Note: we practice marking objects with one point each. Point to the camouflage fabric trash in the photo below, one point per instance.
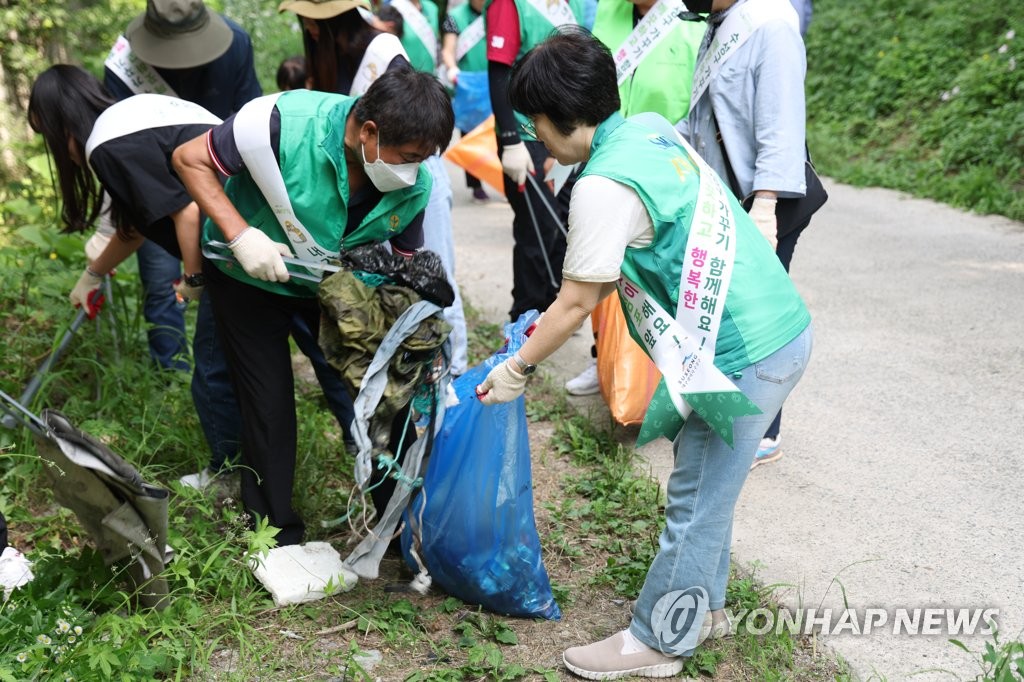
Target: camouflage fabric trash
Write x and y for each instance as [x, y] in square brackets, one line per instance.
[125, 516]
[356, 318]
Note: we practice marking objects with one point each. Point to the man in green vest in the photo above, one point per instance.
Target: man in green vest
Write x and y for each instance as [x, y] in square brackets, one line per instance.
[655, 53]
[704, 296]
[513, 27]
[350, 174]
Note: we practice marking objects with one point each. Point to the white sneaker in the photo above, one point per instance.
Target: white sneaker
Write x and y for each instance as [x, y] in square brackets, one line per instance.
[199, 481]
[585, 383]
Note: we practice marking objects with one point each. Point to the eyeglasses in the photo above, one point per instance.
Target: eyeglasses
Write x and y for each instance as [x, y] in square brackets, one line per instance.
[529, 128]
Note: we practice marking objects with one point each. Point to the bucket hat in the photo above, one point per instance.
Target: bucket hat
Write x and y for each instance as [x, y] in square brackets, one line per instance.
[321, 9]
[178, 34]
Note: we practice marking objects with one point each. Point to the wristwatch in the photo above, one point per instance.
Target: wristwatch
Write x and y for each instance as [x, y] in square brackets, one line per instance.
[524, 368]
[196, 280]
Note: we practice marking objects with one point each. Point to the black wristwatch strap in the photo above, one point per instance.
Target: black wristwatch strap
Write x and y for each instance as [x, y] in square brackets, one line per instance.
[195, 280]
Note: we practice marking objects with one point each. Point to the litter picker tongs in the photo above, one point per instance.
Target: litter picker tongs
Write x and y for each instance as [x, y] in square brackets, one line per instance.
[222, 252]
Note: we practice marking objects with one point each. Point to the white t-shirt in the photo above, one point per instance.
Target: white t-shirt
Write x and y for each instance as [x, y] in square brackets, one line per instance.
[605, 217]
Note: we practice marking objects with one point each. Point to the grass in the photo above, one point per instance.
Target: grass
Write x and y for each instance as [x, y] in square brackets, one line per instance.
[76, 620]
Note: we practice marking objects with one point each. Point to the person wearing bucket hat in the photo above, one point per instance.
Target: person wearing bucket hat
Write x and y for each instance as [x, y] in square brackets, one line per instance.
[182, 49]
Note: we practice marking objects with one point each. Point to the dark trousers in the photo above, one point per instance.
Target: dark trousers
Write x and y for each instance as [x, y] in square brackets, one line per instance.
[784, 250]
[539, 243]
[472, 181]
[254, 326]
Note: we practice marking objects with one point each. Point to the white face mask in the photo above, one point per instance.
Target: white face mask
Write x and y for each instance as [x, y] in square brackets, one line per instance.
[387, 177]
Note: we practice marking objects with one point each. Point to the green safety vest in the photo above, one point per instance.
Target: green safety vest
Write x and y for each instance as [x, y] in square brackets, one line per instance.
[476, 58]
[662, 81]
[763, 310]
[312, 162]
[421, 57]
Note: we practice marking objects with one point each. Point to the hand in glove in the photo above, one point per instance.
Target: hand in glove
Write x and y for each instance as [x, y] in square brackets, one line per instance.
[516, 163]
[260, 256]
[82, 295]
[763, 215]
[186, 290]
[452, 74]
[502, 385]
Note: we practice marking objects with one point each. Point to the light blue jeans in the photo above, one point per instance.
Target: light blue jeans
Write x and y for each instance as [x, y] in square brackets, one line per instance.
[437, 237]
[702, 493]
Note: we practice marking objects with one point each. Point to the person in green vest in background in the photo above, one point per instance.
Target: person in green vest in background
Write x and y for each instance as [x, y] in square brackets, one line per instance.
[513, 28]
[352, 175]
[419, 32]
[655, 53]
[704, 296]
[464, 56]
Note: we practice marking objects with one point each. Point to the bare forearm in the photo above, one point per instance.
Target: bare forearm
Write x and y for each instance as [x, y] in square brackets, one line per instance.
[448, 49]
[116, 252]
[196, 169]
[567, 314]
[186, 229]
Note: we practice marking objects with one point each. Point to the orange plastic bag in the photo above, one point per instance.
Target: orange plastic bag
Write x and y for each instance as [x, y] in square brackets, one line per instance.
[477, 153]
[627, 376]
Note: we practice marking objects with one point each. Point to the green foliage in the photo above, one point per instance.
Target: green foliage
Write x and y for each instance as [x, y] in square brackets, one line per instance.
[1001, 661]
[921, 96]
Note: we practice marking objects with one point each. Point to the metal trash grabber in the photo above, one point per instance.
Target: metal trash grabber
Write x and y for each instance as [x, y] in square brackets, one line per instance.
[540, 238]
[222, 252]
[10, 419]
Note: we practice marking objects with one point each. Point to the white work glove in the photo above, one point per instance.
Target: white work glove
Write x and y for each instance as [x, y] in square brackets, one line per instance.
[763, 215]
[187, 292]
[452, 74]
[502, 385]
[86, 284]
[260, 256]
[95, 245]
[516, 163]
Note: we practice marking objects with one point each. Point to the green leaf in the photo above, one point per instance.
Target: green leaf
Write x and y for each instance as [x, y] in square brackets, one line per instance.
[505, 634]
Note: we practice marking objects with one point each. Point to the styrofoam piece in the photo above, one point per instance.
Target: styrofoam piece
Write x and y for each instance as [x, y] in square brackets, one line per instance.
[300, 573]
[15, 571]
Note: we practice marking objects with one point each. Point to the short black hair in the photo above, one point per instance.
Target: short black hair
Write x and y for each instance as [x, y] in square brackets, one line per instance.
[291, 74]
[408, 106]
[390, 13]
[570, 78]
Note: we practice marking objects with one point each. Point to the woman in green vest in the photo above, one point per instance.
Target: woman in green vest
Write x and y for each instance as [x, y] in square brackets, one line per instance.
[352, 175]
[704, 296]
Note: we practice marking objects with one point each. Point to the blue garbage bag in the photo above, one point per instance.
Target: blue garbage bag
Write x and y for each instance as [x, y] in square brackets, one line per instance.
[474, 517]
[472, 100]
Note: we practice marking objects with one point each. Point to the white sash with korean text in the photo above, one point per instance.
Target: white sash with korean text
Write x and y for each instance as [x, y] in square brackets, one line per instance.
[252, 136]
[376, 58]
[419, 24]
[656, 24]
[469, 37]
[737, 28]
[139, 76]
[557, 12]
[683, 346]
[142, 112]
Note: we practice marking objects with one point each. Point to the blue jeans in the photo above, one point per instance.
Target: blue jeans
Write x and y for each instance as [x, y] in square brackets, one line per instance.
[212, 393]
[214, 397]
[702, 493]
[167, 341]
[437, 237]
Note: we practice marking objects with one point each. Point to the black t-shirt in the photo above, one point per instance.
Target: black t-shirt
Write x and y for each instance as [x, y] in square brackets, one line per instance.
[136, 171]
[225, 155]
